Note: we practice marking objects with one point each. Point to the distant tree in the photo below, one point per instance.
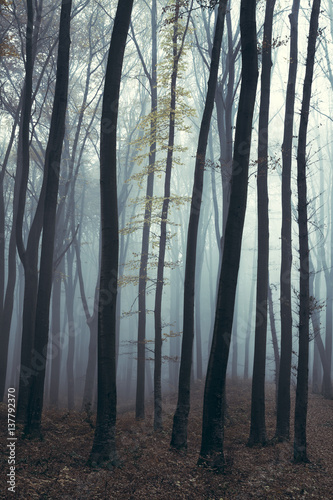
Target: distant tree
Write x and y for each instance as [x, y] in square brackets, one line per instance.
[104, 445]
[274, 339]
[178, 41]
[300, 449]
[152, 79]
[211, 452]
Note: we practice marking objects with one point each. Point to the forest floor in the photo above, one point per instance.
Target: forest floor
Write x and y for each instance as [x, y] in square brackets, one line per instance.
[55, 468]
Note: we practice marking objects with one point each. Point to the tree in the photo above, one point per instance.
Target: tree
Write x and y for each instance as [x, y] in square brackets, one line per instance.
[258, 426]
[180, 422]
[152, 78]
[52, 172]
[28, 255]
[300, 452]
[211, 452]
[283, 400]
[104, 446]
[178, 40]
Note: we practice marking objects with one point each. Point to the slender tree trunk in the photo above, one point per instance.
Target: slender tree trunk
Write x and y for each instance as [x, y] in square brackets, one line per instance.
[300, 453]
[198, 319]
[320, 351]
[163, 233]
[70, 292]
[91, 365]
[274, 340]
[7, 301]
[56, 339]
[180, 421]
[104, 445]
[258, 425]
[316, 371]
[249, 325]
[234, 361]
[7, 294]
[283, 403]
[140, 390]
[211, 452]
[326, 382]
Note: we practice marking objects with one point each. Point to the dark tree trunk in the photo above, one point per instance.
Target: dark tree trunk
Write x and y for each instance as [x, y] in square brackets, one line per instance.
[177, 52]
[152, 77]
[52, 171]
[29, 364]
[180, 421]
[224, 110]
[211, 452]
[258, 425]
[104, 445]
[300, 454]
[283, 403]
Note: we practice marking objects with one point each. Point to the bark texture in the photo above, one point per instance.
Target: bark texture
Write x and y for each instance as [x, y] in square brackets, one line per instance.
[258, 425]
[180, 421]
[152, 78]
[52, 171]
[283, 400]
[300, 452]
[211, 452]
[104, 445]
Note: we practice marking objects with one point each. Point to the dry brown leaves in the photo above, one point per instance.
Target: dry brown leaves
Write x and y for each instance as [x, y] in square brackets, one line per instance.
[56, 467]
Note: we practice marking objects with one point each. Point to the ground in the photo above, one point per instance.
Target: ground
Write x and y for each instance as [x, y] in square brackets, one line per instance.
[56, 467]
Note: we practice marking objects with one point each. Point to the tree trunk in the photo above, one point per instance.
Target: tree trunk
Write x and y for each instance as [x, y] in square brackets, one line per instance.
[198, 319]
[249, 324]
[7, 294]
[320, 351]
[180, 421]
[274, 340]
[301, 404]
[283, 403]
[163, 233]
[140, 390]
[56, 339]
[52, 171]
[258, 425]
[30, 362]
[234, 360]
[70, 292]
[211, 452]
[104, 445]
